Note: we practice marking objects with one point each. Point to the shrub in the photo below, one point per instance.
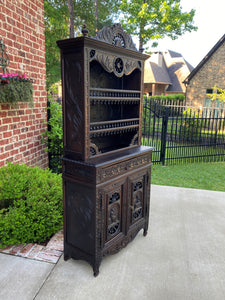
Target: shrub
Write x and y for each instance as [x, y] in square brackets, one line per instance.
[172, 97]
[15, 88]
[53, 136]
[190, 127]
[31, 208]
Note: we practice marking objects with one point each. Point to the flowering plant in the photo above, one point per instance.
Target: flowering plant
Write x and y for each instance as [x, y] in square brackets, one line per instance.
[15, 87]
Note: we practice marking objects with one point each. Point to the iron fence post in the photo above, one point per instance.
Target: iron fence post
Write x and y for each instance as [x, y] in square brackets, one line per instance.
[163, 135]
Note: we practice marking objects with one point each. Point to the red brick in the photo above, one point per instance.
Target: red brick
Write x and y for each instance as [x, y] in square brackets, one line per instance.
[18, 144]
[25, 250]
[6, 249]
[6, 11]
[16, 119]
[22, 136]
[14, 152]
[11, 113]
[3, 114]
[17, 157]
[4, 142]
[5, 107]
[16, 131]
[9, 147]
[24, 118]
[22, 149]
[4, 128]
[4, 155]
[35, 250]
[7, 134]
[7, 120]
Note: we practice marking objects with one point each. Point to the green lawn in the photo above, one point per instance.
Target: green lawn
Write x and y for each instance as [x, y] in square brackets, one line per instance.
[189, 153]
[207, 176]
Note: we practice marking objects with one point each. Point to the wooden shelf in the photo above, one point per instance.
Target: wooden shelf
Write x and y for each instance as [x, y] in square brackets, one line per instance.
[109, 94]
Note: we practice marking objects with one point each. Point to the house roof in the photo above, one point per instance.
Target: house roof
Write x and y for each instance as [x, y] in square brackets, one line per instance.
[205, 59]
[168, 68]
[156, 74]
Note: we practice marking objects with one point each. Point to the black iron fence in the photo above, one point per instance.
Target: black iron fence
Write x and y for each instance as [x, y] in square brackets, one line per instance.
[182, 134]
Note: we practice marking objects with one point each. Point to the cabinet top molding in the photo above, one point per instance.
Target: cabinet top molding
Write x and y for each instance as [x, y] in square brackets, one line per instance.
[109, 39]
[115, 35]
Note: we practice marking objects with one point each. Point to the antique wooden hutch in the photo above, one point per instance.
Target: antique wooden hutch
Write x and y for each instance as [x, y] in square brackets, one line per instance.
[106, 171]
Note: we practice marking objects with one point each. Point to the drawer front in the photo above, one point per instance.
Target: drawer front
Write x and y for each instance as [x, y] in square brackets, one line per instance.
[114, 170]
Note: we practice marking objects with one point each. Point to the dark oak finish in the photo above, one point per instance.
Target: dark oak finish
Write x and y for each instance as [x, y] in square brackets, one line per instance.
[106, 171]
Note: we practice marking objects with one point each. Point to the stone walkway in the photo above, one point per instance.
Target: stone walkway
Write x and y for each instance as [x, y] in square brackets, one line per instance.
[49, 253]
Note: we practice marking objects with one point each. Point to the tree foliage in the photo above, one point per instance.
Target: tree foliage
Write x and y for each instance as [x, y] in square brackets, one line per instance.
[220, 95]
[57, 26]
[155, 19]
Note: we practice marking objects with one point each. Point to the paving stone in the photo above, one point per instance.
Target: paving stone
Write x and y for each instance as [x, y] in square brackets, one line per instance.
[26, 250]
[16, 249]
[48, 256]
[7, 249]
[49, 253]
[34, 252]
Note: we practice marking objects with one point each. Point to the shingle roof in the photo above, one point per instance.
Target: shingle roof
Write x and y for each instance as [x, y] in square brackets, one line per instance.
[205, 59]
[171, 68]
[158, 74]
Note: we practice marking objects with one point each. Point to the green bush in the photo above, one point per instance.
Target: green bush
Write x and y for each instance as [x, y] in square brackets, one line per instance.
[53, 136]
[190, 127]
[31, 206]
[172, 97]
[16, 91]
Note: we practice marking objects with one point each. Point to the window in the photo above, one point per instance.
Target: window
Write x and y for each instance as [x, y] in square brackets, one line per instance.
[211, 107]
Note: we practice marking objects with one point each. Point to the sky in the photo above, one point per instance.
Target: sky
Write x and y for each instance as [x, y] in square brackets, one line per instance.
[210, 20]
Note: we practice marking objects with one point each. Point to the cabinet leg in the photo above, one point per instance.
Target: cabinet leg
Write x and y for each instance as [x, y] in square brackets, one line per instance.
[66, 257]
[145, 232]
[96, 271]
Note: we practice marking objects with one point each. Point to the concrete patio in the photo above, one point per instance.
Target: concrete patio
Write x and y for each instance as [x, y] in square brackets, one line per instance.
[182, 258]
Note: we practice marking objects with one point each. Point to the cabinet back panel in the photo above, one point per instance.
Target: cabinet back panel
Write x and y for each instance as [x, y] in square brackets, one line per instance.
[104, 112]
[101, 79]
[113, 142]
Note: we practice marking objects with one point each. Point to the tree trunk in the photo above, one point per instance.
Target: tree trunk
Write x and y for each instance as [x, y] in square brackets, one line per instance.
[96, 16]
[141, 49]
[71, 12]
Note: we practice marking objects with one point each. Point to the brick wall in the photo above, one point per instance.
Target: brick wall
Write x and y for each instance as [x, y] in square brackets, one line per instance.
[210, 74]
[22, 29]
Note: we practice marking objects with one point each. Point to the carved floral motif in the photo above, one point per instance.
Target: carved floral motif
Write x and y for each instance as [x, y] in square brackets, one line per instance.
[111, 63]
[116, 36]
[122, 168]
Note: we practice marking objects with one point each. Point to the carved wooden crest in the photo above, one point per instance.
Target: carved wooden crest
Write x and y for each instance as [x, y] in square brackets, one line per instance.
[112, 63]
[116, 36]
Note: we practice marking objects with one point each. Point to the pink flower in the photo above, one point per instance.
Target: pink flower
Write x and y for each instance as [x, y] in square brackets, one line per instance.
[14, 76]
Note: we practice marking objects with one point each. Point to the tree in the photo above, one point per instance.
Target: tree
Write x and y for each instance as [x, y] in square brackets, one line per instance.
[64, 17]
[71, 12]
[56, 28]
[155, 19]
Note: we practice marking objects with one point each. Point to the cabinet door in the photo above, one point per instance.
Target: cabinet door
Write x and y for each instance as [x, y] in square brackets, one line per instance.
[114, 197]
[138, 198]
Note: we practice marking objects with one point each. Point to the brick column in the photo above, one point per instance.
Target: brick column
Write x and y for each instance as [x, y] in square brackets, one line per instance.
[22, 29]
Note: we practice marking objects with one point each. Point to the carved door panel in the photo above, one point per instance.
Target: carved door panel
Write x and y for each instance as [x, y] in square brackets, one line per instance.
[114, 197]
[136, 198]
